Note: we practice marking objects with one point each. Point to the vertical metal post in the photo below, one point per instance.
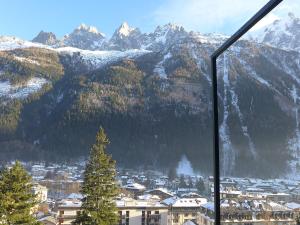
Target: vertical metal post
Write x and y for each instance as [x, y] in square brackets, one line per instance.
[216, 148]
[216, 141]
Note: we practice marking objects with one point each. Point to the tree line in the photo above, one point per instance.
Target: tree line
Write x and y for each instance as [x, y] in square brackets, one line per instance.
[99, 189]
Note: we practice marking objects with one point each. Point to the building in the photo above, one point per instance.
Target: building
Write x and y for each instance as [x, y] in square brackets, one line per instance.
[41, 192]
[190, 223]
[256, 212]
[67, 210]
[161, 193]
[48, 220]
[207, 214]
[230, 194]
[131, 211]
[279, 197]
[141, 212]
[296, 209]
[135, 188]
[182, 210]
[182, 191]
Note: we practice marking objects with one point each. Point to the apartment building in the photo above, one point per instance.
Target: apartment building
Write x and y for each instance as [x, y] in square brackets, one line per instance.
[142, 212]
[40, 191]
[67, 210]
[131, 212]
[256, 212]
[182, 210]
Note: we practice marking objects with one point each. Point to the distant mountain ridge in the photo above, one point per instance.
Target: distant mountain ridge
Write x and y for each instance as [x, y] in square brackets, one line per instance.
[124, 38]
[46, 38]
[152, 94]
[282, 33]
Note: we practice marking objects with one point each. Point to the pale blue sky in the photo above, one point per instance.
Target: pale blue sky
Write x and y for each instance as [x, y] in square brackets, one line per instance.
[25, 18]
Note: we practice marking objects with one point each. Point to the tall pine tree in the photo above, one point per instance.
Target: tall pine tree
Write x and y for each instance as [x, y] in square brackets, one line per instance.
[99, 187]
[200, 186]
[16, 197]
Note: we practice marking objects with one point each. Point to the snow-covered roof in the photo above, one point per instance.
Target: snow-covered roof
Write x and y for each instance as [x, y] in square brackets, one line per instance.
[187, 189]
[277, 207]
[255, 205]
[231, 192]
[184, 202]
[75, 196]
[209, 206]
[132, 203]
[292, 205]
[189, 222]
[163, 190]
[50, 219]
[148, 197]
[67, 203]
[253, 189]
[191, 194]
[135, 186]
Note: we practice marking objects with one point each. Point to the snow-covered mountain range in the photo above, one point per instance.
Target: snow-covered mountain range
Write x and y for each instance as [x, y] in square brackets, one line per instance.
[151, 92]
[124, 38]
[282, 33]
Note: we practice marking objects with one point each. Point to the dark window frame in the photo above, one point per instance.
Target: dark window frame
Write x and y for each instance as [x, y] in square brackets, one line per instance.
[230, 41]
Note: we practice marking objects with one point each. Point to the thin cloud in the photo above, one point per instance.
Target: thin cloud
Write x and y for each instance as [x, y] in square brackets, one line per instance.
[269, 19]
[221, 16]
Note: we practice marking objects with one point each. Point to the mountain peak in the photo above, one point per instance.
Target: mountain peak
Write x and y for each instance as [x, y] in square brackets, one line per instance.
[173, 26]
[87, 28]
[282, 33]
[169, 26]
[84, 37]
[47, 38]
[125, 30]
[125, 37]
[291, 15]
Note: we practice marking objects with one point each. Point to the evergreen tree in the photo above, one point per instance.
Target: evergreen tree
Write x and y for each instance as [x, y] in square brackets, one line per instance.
[200, 186]
[16, 197]
[99, 187]
[172, 174]
[182, 183]
[190, 184]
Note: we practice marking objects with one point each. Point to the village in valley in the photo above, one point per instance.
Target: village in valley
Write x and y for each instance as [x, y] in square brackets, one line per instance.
[174, 107]
[173, 198]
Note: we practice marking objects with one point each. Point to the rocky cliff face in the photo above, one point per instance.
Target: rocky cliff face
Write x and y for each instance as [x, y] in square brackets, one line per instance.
[46, 38]
[154, 101]
[126, 37]
[84, 37]
[283, 33]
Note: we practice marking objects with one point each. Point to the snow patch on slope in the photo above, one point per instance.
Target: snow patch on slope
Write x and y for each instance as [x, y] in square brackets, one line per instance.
[294, 142]
[201, 64]
[100, 58]
[253, 74]
[185, 167]
[10, 43]
[228, 153]
[241, 119]
[21, 91]
[281, 32]
[159, 68]
[211, 38]
[23, 59]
